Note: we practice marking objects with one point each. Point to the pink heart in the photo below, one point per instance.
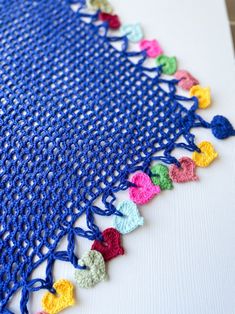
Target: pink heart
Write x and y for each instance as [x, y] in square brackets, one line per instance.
[187, 81]
[184, 173]
[144, 190]
[111, 246]
[152, 47]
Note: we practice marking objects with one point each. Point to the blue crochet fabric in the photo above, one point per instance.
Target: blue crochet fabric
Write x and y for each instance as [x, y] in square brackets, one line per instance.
[77, 117]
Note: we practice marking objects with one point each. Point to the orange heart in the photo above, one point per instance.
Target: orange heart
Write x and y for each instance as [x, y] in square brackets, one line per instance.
[54, 303]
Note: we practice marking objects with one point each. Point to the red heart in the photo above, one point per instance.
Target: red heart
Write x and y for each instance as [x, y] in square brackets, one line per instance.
[111, 246]
[113, 20]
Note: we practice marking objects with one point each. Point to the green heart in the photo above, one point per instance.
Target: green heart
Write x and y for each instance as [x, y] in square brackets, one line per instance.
[169, 64]
[94, 272]
[161, 177]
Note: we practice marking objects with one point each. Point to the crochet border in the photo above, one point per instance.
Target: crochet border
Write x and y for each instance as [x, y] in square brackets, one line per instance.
[193, 120]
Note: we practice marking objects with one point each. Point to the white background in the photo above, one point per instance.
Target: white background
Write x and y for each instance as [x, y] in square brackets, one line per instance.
[182, 261]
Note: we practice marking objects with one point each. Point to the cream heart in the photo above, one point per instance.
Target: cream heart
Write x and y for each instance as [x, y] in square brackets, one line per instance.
[94, 272]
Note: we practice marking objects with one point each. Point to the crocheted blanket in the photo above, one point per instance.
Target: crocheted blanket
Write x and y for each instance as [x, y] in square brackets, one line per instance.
[79, 114]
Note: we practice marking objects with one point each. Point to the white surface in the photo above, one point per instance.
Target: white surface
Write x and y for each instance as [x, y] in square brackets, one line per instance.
[182, 261]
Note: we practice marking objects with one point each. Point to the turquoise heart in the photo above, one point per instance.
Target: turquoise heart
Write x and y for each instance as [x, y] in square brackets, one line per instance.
[94, 271]
[161, 177]
[131, 218]
[133, 32]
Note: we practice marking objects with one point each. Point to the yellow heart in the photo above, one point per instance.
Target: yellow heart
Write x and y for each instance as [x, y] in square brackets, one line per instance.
[54, 303]
[206, 156]
[203, 95]
[102, 5]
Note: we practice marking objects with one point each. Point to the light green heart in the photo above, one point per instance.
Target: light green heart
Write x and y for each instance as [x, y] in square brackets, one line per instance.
[94, 272]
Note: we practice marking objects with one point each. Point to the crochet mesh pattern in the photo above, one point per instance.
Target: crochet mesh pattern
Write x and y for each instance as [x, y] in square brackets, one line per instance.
[77, 118]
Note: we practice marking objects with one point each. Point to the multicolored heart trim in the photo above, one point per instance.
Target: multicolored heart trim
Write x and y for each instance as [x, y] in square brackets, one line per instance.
[143, 186]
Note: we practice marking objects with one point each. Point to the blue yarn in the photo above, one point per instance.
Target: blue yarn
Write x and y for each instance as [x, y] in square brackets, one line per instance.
[76, 2]
[221, 127]
[77, 117]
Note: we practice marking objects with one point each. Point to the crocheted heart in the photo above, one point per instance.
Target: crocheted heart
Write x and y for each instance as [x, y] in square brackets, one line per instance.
[54, 303]
[169, 64]
[221, 127]
[187, 81]
[102, 5]
[111, 245]
[133, 32]
[203, 95]
[94, 272]
[113, 20]
[206, 156]
[152, 47]
[131, 218]
[161, 177]
[184, 173]
[144, 190]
